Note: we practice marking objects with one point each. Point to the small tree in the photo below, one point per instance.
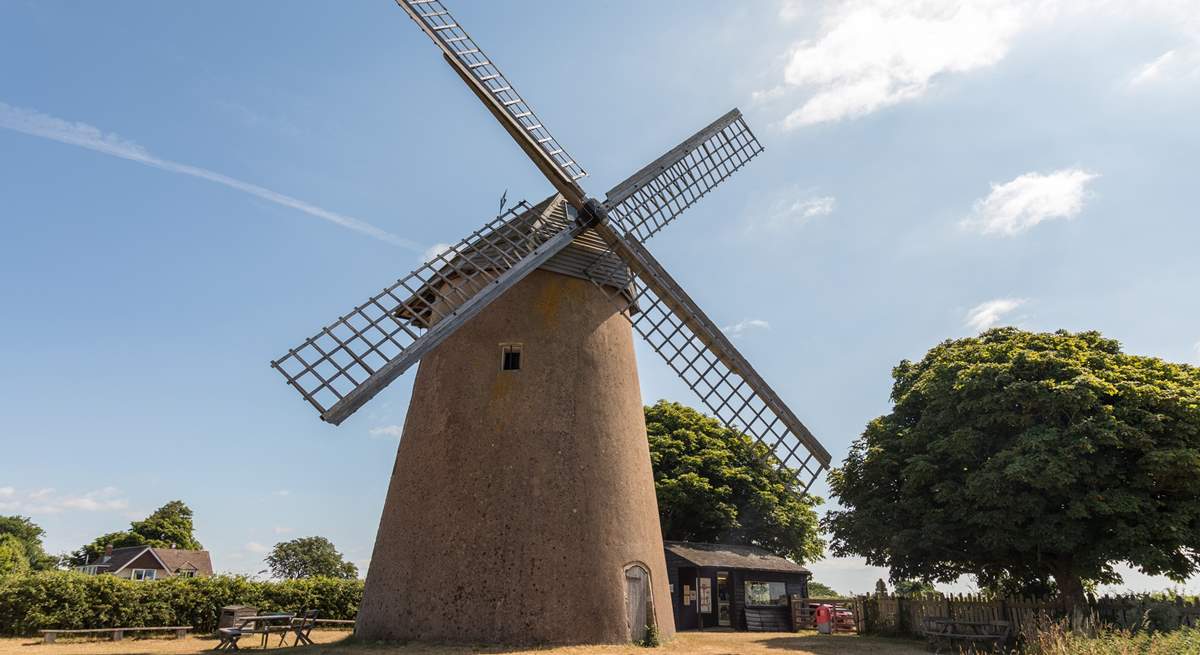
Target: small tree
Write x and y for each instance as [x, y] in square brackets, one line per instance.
[716, 484]
[309, 557]
[1022, 457]
[880, 587]
[818, 590]
[912, 588]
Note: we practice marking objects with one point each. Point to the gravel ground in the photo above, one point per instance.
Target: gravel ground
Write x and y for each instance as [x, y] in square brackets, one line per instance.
[334, 642]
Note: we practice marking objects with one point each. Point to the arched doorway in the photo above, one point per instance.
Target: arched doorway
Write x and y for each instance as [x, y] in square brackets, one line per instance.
[639, 601]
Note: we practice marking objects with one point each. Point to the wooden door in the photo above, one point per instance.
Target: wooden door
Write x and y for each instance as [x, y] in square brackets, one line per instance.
[637, 601]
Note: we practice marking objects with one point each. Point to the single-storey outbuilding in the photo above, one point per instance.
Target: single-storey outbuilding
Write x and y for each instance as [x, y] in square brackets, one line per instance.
[718, 585]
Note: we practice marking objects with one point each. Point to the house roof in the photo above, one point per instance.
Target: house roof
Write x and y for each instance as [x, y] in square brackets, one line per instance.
[732, 556]
[120, 557]
[172, 559]
[177, 559]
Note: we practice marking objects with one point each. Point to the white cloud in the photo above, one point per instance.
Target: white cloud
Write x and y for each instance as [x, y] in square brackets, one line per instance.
[741, 327]
[280, 530]
[256, 548]
[28, 121]
[433, 251]
[872, 54]
[281, 492]
[790, 208]
[387, 432]
[1173, 66]
[790, 10]
[1197, 348]
[1020, 204]
[988, 314]
[49, 501]
[801, 211]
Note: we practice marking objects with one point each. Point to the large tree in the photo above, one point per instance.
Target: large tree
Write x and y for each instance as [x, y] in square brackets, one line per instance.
[718, 485]
[1024, 457]
[28, 535]
[309, 557]
[169, 526]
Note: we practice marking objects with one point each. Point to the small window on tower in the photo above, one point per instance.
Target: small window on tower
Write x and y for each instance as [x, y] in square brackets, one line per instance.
[510, 356]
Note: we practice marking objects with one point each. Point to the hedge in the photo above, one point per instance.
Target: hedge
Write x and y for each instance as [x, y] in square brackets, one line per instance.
[66, 600]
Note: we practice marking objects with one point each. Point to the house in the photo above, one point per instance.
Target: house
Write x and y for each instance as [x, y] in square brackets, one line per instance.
[148, 563]
[716, 585]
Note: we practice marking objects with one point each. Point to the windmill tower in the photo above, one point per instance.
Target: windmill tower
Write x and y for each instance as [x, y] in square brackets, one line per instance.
[521, 506]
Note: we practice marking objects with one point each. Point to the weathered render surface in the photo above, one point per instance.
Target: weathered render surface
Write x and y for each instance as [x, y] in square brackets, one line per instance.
[518, 498]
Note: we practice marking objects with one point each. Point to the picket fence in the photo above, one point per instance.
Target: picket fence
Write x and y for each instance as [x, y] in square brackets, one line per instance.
[885, 614]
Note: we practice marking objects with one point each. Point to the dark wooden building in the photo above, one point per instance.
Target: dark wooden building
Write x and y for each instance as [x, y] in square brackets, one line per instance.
[718, 585]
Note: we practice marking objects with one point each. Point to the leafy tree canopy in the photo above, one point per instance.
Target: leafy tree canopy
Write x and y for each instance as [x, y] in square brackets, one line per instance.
[29, 536]
[1023, 457]
[309, 557]
[718, 485]
[13, 558]
[911, 588]
[818, 590]
[170, 526]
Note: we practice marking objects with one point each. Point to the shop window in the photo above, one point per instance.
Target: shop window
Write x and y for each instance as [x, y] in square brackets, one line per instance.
[759, 594]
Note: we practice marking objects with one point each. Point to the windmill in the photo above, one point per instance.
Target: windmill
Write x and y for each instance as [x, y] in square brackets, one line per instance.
[521, 506]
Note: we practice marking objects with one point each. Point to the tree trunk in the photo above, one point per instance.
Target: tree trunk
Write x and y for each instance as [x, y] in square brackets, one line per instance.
[1070, 587]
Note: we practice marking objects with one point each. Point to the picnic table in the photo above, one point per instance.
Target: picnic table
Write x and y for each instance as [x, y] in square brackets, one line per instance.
[940, 630]
[263, 624]
[298, 625]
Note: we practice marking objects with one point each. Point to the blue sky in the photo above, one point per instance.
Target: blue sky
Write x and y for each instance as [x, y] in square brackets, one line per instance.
[186, 190]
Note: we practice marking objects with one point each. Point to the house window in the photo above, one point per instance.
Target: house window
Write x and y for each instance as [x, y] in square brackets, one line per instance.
[510, 356]
[765, 593]
[185, 574]
[143, 574]
[89, 570]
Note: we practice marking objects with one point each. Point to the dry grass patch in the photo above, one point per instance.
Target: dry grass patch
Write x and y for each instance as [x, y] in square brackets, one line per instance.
[333, 642]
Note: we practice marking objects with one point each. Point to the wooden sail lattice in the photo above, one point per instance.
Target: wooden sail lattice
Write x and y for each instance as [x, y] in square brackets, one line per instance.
[702, 356]
[392, 329]
[645, 203]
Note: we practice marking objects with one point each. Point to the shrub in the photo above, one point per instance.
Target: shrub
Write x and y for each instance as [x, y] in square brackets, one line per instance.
[651, 640]
[66, 600]
[1057, 641]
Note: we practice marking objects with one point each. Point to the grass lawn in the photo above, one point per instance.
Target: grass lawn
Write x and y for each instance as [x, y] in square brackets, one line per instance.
[334, 642]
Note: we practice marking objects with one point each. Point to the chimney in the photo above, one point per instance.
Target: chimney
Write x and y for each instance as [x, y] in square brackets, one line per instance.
[108, 550]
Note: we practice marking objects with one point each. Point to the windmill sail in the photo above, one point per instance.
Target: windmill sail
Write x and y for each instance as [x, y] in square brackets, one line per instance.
[491, 86]
[696, 349]
[348, 362]
[656, 195]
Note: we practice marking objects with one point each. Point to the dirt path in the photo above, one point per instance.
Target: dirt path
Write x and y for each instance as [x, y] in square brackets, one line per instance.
[334, 643]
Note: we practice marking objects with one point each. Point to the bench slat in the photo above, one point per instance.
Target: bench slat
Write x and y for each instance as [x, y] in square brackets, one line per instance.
[48, 636]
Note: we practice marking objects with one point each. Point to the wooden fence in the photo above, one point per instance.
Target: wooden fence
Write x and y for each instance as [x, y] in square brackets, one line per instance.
[896, 615]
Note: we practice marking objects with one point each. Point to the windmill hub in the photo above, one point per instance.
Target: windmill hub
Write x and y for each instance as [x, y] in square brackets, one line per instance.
[521, 507]
[593, 213]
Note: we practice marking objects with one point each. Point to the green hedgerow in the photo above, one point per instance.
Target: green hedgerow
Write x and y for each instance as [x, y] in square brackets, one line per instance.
[67, 600]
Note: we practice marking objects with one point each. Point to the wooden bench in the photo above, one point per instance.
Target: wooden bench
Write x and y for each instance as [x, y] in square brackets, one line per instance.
[48, 636]
[939, 630]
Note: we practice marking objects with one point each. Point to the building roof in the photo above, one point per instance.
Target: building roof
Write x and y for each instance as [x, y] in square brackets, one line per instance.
[172, 559]
[732, 556]
[178, 559]
[120, 558]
